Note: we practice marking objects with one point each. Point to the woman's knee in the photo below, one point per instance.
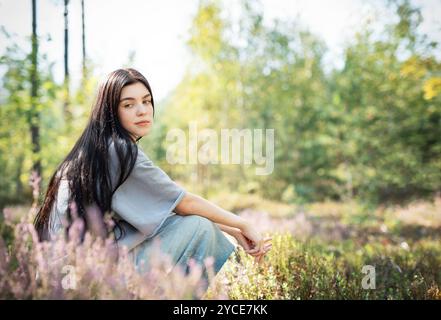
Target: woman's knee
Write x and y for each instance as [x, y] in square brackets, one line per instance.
[200, 225]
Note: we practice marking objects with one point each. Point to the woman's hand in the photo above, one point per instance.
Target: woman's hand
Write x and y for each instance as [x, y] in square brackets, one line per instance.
[249, 238]
[253, 242]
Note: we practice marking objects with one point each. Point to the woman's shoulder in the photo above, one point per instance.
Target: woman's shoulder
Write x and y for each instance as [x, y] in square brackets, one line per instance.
[142, 157]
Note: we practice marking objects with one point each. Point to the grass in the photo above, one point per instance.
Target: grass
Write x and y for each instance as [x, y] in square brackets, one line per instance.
[319, 252]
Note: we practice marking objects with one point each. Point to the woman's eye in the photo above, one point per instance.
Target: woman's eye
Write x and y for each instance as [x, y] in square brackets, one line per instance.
[127, 105]
[147, 102]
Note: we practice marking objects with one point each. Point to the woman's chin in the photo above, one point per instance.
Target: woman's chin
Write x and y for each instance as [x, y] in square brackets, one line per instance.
[143, 133]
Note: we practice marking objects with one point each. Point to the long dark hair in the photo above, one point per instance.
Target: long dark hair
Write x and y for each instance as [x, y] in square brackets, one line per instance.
[86, 167]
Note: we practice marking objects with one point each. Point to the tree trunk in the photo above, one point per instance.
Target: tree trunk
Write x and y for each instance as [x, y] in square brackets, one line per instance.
[83, 40]
[34, 118]
[18, 183]
[67, 112]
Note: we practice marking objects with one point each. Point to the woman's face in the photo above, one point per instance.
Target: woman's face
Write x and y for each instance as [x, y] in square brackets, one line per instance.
[135, 110]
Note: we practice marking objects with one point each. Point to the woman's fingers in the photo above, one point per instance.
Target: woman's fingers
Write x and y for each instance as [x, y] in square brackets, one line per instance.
[259, 249]
[255, 252]
[259, 257]
[245, 244]
[266, 244]
[262, 246]
[256, 249]
[252, 251]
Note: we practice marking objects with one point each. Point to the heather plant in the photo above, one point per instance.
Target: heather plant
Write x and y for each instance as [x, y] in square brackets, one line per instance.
[314, 270]
[67, 268]
[318, 252]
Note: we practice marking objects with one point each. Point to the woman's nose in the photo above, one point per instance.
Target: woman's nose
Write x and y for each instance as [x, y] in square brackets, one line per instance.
[142, 109]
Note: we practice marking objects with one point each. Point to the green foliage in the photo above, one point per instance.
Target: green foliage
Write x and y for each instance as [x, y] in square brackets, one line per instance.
[390, 112]
[303, 271]
[368, 131]
[16, 158]
[402, 243]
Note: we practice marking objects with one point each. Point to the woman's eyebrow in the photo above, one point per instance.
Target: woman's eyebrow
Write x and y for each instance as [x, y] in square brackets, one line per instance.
[130, 98]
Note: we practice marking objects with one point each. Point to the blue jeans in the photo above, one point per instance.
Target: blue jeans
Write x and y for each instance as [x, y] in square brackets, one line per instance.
[183, 238]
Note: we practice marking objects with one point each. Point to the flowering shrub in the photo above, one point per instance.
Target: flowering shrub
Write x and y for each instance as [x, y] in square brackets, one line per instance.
[92, 269]
[319, 253]
[314, 270]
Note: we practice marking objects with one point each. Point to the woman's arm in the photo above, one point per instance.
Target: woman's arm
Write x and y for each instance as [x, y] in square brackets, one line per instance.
[230, 230]
[238, 227]
[186, 207]
[194, 204]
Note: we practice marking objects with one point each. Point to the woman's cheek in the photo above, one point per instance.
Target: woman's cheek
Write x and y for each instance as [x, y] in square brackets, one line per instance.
[128, 117]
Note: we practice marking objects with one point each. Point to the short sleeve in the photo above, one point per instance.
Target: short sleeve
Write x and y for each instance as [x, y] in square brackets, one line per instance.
[59, 209]
[147, 197]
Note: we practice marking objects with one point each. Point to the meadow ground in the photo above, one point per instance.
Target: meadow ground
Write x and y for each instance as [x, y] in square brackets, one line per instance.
[319, 252]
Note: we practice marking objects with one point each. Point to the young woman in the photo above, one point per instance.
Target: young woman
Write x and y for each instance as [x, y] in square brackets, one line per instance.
[107, 169]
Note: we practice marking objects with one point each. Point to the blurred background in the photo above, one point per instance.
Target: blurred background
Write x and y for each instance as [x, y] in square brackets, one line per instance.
[352, 89]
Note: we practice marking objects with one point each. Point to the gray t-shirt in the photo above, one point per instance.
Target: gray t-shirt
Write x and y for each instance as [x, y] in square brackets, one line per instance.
[142, 203]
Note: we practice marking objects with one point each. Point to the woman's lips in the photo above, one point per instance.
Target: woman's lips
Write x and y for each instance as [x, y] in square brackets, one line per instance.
[143, 123]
